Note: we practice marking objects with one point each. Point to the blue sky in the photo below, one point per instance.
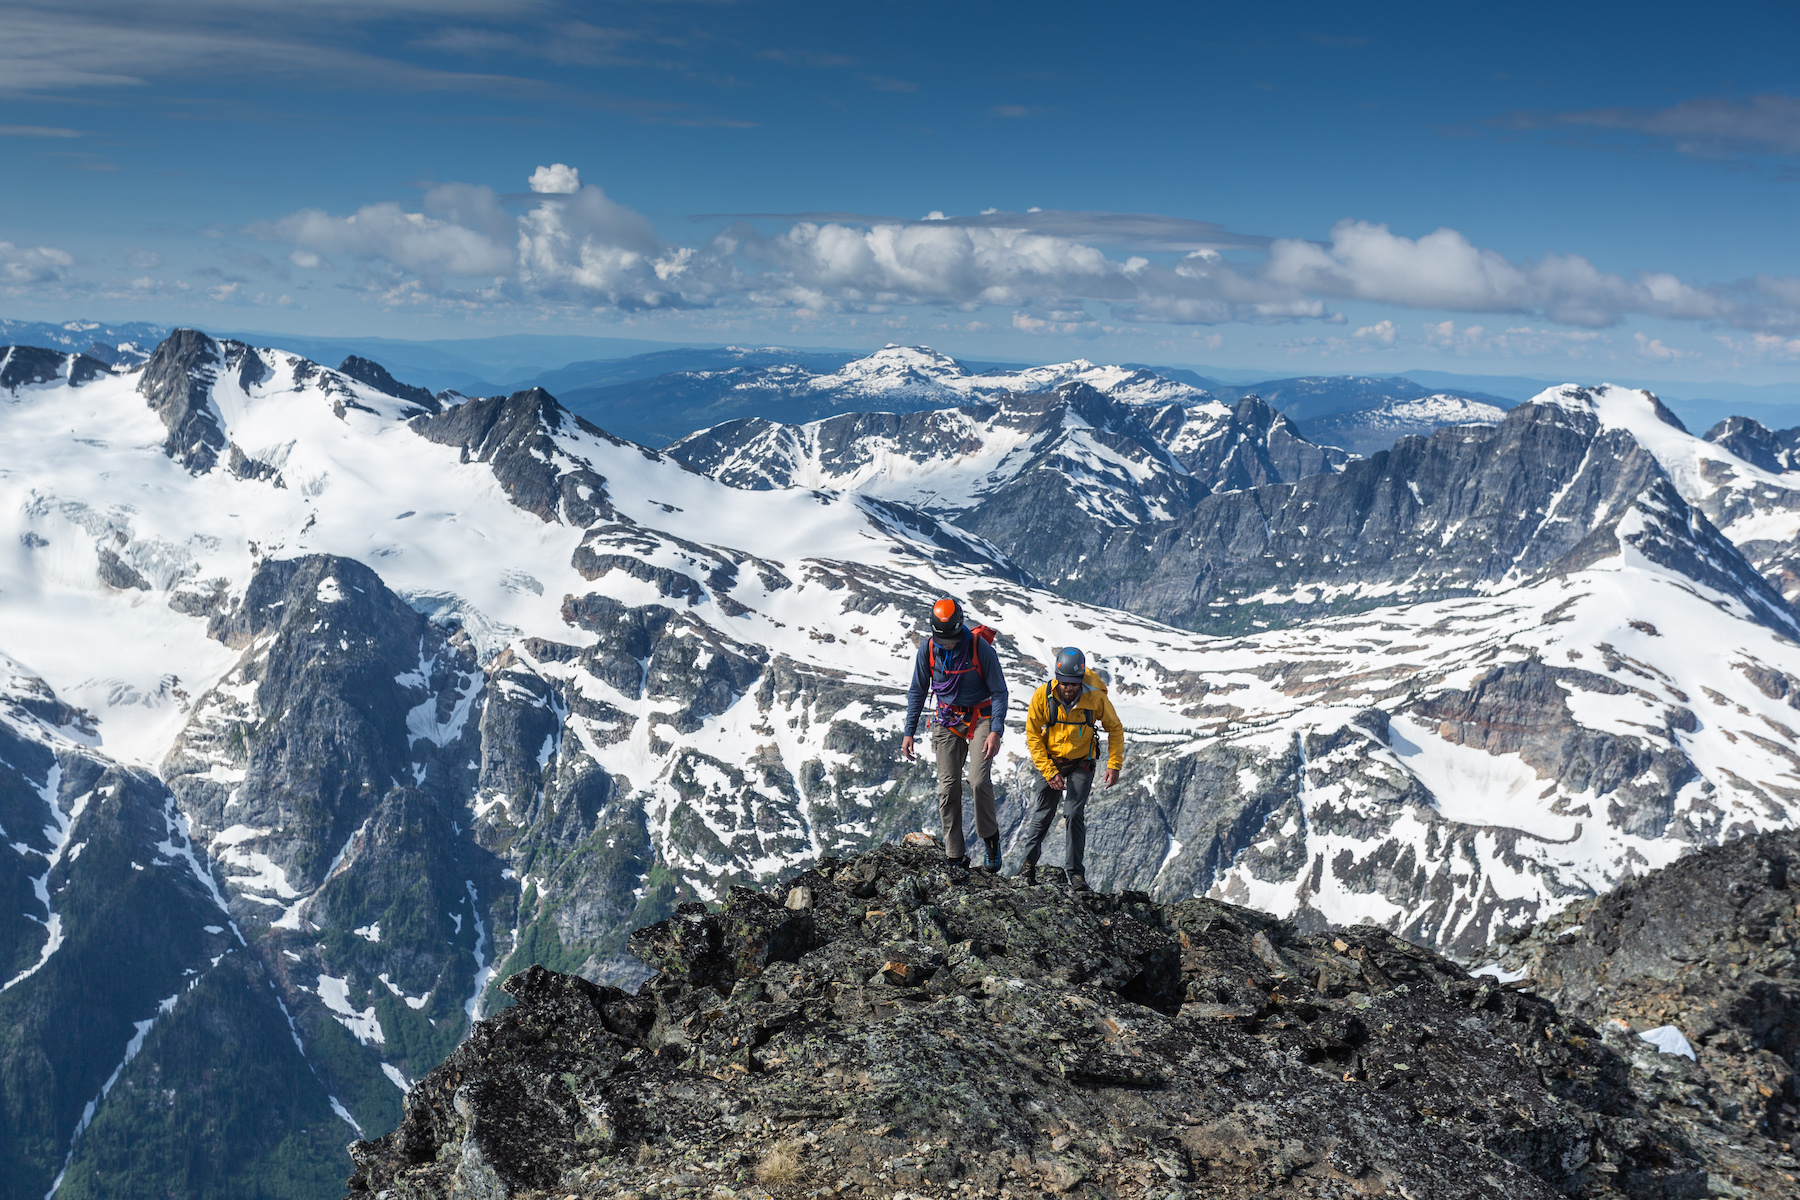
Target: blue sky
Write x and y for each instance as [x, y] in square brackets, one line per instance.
[1579, 191]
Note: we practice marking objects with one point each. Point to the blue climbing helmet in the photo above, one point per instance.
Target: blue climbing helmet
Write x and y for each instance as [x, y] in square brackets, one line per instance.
[1071, 665]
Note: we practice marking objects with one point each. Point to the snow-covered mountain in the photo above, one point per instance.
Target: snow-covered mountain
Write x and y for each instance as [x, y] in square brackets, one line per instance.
[124, 345]
[1114, 462]
[1377, 427]
[917, 377]
[897, 379]
[335, 702]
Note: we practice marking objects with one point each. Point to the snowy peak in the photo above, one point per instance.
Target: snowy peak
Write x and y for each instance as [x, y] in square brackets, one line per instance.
[1632, 409]
[177, 382]
[377, 377]
[1774, 451]
[215, 397]
[1108, 460]
[1738, 476]
[950, 460]
[1371, 428]
[32, 366]
[517, 436]
[1246, 446]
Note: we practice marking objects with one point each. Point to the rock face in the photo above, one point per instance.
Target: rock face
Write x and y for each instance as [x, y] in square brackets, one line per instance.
[1248, 445]
[23, 366]
[1757, 444]
[1706, 945]
[1447, 515]
[177, 381]
[888, 1023]
[135, 1018]
[377, 377]
[516, 434]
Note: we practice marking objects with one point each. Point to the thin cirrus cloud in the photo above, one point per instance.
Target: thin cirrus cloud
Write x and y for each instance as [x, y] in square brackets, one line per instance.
[82, 45]
[1705, 128]
[576, 245]
[38, 131]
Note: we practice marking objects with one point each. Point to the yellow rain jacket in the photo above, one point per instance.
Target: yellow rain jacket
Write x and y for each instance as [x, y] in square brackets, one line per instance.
[1057, 732]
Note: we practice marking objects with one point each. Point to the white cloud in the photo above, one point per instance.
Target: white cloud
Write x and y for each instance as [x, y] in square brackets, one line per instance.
[575, 245]
[412, 241]
[1763, 346]
[1657, 351]
[556, 178]
[33, 264]
[1445, 270]
[1513, 341]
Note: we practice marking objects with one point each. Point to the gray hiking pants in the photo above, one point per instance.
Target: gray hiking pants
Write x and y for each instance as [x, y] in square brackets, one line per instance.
[952, 755]
[1077, 783]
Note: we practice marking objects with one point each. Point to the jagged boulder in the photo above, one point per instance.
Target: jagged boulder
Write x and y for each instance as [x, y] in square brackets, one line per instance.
[894, 1023]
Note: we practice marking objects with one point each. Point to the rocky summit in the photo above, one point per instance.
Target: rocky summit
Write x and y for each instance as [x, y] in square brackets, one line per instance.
[893, 1025]
[1705, 947]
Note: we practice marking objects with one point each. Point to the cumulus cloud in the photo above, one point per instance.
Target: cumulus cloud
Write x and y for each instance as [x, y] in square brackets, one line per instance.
[574, 244]
[556, 179]
[412, 241]
[33, 264]
[1656, 350]
[1366, 261]
[585, 247]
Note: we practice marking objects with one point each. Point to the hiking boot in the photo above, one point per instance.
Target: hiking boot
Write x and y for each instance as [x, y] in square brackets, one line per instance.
[1029, 874]
[962, 862]
[992, 862]
[1078, 881]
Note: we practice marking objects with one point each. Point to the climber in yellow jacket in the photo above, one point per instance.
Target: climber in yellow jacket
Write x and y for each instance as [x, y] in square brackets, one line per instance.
[1064, 743]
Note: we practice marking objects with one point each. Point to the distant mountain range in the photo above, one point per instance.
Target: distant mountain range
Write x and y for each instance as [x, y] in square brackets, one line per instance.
[124, 345]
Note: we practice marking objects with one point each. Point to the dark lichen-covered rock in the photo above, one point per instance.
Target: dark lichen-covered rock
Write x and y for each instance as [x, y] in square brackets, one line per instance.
[896, 1023]
[1706, 944]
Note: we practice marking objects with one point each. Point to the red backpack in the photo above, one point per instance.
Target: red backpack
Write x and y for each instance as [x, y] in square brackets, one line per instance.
[984, 632]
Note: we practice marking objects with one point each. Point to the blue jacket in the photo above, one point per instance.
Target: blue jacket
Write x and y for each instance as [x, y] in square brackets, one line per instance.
[971, 690]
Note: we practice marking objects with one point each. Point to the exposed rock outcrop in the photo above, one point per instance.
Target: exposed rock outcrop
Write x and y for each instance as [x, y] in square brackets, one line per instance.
[890, 1023]
[1706, 945]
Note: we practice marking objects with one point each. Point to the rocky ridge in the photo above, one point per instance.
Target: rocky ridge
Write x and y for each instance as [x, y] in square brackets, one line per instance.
[1706, 945]
[888, 1025]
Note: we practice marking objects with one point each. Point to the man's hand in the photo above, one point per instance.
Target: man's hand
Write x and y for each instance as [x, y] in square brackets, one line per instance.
[1056, 783]
[990, 747]
[1112, 776]
[906, 748]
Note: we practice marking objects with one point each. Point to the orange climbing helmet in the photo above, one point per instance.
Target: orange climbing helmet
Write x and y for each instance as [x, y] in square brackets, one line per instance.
[946, 617]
